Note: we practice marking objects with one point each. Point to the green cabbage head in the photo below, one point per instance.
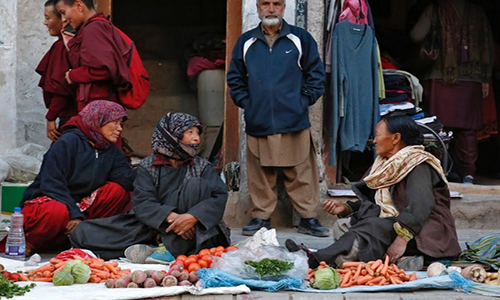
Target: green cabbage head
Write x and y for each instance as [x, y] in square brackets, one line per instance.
[326, 279]
[62, 278]
[79, 270]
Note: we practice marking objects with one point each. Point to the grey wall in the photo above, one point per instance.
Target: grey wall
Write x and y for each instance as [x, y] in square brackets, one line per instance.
[23, 42]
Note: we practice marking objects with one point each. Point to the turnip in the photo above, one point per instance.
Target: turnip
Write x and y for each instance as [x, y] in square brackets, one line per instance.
[169, 280]
[475, 273]
[149, 283]
[435, 269]
[193, 276]
[183, 276]
[139, 276]
[175, 273]
[157, 276]
[122, 282]
[176, 267]
[185, 283]
[132, 285]
[110, 283]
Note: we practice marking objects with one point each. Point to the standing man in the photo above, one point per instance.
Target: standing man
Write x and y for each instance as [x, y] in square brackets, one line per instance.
[275, 75]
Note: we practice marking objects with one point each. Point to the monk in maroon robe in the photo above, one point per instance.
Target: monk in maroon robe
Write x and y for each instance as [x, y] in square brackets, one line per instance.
[96, 53]
[58, 95]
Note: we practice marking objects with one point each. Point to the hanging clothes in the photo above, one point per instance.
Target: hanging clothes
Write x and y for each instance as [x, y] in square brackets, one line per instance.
[335, 9]
[355, 102]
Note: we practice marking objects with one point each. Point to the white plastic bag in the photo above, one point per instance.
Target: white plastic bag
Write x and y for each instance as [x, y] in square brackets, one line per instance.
[233, 262]
[24, 162]
[4, 169]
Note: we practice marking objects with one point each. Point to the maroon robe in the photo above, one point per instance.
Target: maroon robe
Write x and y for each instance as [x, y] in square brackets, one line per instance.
[96, 54]
[58, 95]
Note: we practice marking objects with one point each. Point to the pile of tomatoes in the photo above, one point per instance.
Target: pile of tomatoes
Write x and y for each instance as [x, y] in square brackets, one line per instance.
[201, 260]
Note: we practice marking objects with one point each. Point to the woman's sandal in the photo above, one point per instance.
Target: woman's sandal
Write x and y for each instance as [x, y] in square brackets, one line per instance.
[293, 247]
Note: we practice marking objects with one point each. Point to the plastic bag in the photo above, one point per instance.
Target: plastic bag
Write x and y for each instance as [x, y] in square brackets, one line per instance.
[4, 169]
[233, 262]
[24, 162]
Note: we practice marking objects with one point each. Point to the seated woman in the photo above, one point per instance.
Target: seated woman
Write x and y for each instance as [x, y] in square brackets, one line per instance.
[179, 201]
[83, 176]
[403, 207]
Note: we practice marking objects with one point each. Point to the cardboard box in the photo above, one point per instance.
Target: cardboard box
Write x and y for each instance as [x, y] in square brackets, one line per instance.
[11, 196]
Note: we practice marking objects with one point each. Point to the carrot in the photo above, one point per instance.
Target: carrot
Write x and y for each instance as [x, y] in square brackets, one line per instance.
[43, 279]
[392, 280]
[395, 268]
[376, 280]
[385, 266]
[364, 279]
[102, 275]
[383, 281]
[376, 264]
[345, 279]
[358, 271]
[23, 277]
[60, 264]
[352, 264]
[413, 276]
[54, 260]
[114, 263]
[369, 270]
[97, 265]
[363, 272]
[46, 267]
[47, 274]
[111, 268]
[343, 271]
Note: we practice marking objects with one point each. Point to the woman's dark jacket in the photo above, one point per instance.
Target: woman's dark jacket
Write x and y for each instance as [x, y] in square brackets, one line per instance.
[72, 169]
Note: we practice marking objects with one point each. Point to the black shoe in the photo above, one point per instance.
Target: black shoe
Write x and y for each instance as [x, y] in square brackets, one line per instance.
[293, 247]
[255, 225]
[313, 227]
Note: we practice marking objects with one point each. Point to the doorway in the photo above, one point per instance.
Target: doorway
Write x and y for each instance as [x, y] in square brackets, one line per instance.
[167, 34]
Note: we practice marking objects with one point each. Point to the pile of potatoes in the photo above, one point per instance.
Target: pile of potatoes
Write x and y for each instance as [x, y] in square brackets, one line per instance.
[153, 278]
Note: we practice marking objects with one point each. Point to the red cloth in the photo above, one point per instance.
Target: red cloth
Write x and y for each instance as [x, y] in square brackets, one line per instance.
[58, 95]
[45, 219]
[387, 64]
[96, 55]
[198, 63]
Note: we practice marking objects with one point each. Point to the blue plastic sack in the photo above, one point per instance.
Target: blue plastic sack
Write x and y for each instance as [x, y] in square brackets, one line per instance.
[211, 278]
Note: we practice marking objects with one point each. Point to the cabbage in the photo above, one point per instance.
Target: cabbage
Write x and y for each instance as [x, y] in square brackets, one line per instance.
[62, 278]
[326, 279]
[70, 264]
[79, 270]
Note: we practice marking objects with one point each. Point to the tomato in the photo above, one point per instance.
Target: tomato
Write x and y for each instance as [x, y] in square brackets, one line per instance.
[212, 250]
[230, 248]
[181, 257]
[203, 263]
[220, 248]
[193, 267]
[203, 252]
[189, 261]
[207, 258]
[218, 253]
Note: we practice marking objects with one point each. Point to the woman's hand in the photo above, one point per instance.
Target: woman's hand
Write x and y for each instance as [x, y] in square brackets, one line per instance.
[71, 225]
[334, 207]
[182, 224]
[396, 249]
[52, 132]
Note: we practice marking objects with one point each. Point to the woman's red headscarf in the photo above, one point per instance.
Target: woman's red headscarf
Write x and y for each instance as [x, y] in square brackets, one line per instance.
[95, 115]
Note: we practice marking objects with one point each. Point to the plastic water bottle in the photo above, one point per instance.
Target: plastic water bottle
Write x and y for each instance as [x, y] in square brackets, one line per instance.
[15, 246]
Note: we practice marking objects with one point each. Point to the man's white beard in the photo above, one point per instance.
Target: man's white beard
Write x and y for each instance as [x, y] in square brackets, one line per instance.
[271, 21]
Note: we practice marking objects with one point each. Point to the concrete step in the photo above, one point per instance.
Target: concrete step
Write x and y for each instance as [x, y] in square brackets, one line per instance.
[478, 209]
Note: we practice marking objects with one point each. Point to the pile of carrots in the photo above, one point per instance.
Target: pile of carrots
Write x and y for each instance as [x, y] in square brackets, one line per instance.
[100, 270]
[373, 273]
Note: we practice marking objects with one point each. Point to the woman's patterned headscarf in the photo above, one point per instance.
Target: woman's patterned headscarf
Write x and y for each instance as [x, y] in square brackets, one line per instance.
[95, 115]
[168, 134]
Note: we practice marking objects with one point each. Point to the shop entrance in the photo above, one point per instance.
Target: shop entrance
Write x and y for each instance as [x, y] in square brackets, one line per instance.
[167, 35]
